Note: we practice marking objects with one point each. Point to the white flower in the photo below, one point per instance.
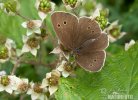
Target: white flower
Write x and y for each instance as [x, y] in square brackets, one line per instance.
[2, 73]
[72, 4]
[33, 26]
[114, 28]
[59, 51]
[44, 7]
[36, 92]
[22, 85]
[129, 45]
[51, 81]
[6, 50]
[30, 45]
[10, 44]
[64, 69]
[8, 83]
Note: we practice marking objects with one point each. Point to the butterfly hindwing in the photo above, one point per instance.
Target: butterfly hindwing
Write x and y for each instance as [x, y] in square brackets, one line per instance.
[87, 29]
[97, 44]
[91, 61]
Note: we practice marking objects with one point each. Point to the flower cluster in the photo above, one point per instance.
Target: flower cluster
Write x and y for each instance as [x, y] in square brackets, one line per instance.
[12, 84]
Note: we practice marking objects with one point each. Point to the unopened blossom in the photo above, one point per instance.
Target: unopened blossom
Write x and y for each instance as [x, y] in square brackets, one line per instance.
[22, 85]
[44, 7]
[37, 92]
[71, 4]
[33, 26]
[114, 31]
[51, 81]
[11, 7]
[7, 83]
[6, 50]
[129, 45]
[31, 44]
[65, 68]
[101, 18]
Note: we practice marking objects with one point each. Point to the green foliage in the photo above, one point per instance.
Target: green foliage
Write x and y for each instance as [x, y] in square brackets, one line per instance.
[120, 74]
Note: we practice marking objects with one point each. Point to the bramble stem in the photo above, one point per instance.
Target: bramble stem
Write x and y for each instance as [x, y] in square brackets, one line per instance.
[15, 67]
[38, 63]
[23, 17]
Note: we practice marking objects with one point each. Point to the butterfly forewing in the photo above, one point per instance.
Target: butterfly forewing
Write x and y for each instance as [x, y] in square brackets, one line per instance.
[65, 25]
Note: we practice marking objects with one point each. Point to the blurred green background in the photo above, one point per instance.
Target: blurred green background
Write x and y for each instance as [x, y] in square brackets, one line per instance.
[126, 11]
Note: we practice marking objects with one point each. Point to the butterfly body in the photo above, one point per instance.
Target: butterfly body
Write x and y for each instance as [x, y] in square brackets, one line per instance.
[83, 37]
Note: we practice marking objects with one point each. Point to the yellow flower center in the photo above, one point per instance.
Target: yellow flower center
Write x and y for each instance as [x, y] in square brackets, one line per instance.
[3, 52]
[23, 87]
[5, 80]
[30, 24]
[115, 32]
[53, 80]
[33, 42]
[68, 68]
[37, 88]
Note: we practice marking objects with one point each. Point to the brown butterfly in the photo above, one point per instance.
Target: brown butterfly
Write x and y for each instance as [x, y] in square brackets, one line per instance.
[83, 37]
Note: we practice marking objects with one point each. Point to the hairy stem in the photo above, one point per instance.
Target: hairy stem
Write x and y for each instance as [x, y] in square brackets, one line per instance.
[38, 63]
[15, 67]
[23, 17]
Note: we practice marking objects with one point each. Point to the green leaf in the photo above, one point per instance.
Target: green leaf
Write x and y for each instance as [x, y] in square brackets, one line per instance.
[119, 75]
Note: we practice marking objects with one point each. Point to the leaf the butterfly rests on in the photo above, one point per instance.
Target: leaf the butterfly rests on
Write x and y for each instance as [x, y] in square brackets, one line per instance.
[82, 36]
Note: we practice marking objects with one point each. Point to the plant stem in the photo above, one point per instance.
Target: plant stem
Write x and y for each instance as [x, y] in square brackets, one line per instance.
[23, 17]
[15, 67]
[38, 63]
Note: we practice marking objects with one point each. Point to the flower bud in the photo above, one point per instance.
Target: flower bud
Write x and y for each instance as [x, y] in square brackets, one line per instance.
[70, 4]
[11, 6]
[45, 6]
[102, 20]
